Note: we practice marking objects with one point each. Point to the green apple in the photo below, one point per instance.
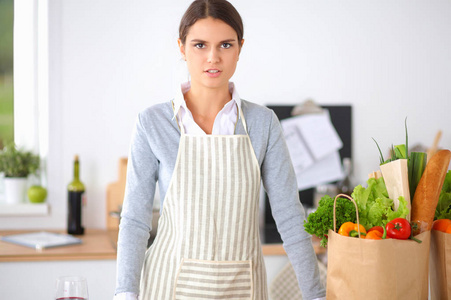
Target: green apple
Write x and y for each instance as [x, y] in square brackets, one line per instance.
[37, 194]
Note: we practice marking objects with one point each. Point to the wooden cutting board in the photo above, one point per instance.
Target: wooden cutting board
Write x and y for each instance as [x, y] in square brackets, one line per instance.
[115, 195]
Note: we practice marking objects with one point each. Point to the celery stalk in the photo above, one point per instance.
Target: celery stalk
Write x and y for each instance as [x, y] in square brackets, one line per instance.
[417, 163]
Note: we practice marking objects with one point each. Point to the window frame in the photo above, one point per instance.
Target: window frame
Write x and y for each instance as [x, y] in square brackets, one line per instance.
[31, 75]
[31, 90]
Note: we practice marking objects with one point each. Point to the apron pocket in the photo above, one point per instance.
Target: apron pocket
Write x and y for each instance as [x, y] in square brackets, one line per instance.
[205, 279]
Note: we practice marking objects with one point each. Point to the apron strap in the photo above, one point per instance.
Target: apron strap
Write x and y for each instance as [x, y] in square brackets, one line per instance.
[243, 121]
[179, 122]
[177, 118]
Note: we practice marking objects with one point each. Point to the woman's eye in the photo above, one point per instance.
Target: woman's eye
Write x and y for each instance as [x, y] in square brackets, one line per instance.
[199, 46]
[226, 45]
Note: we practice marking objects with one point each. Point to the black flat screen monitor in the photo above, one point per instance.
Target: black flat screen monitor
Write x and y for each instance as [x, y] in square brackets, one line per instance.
[341, 118]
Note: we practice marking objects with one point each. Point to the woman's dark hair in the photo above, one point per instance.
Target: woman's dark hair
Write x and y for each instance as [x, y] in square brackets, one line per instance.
[217, 9]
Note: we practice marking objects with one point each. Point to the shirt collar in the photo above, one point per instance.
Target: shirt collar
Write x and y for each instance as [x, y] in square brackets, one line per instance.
[179, 100]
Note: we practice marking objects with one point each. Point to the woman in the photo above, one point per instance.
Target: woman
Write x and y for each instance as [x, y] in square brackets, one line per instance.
[208, 150]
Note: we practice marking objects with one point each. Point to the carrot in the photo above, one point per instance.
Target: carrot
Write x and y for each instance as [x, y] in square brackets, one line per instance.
[428, 191]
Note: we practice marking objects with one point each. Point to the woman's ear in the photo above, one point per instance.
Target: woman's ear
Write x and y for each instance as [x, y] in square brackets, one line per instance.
[181, 48]
[241, 46]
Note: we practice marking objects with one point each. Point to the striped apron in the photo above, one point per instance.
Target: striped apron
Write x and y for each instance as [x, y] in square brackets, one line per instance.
[208, 242]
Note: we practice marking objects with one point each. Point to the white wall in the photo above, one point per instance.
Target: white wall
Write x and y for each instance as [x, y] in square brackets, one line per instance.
[110, 59]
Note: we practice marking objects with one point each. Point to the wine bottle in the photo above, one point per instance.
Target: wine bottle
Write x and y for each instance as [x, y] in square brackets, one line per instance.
[76, 191]
[345, 185]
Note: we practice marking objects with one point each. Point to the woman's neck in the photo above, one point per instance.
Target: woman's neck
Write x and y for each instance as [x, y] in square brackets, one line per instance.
[205, 104]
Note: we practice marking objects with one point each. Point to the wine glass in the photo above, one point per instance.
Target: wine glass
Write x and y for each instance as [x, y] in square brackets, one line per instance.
[71, 287]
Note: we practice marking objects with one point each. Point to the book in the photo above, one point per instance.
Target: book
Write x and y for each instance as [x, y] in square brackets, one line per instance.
[41, 240]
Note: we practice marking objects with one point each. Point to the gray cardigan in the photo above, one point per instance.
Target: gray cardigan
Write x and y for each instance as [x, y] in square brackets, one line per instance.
[152, 158]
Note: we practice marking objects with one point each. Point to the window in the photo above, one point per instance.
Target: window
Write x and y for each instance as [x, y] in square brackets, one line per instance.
[6, 72]
[31, 75]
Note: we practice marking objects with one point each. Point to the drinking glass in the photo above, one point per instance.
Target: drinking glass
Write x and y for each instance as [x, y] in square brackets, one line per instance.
[71, 287]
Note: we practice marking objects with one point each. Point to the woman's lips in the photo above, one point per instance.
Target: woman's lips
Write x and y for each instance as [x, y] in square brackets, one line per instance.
[213, 73]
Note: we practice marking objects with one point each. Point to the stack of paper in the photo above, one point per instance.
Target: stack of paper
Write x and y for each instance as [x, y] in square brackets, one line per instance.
[313, 144]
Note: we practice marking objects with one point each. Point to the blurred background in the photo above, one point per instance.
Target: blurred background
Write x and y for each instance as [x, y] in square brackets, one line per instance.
[104, 61]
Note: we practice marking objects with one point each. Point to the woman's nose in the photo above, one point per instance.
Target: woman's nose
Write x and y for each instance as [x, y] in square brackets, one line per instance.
[213, 56]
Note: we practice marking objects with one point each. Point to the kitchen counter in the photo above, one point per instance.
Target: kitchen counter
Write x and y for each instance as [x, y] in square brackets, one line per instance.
[97, 245]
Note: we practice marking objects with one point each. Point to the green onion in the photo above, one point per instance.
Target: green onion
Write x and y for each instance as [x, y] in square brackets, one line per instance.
[396, 152]
[407, 139]
[416, 167]
[381, 158]
[400, 151]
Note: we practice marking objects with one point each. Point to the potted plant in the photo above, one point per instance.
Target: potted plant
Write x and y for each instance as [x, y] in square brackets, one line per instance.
[16, 164]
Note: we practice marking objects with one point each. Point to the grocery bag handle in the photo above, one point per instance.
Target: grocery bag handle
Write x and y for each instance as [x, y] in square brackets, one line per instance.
[356, 211]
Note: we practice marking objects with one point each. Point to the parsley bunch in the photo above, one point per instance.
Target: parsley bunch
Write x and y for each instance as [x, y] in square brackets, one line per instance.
[320, 221]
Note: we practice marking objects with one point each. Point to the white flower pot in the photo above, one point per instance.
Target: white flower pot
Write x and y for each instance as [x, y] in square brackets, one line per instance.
[15, 189]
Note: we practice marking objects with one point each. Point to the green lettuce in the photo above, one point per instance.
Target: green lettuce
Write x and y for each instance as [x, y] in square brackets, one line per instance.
[320, 221]
[375, 207]
[443, 210]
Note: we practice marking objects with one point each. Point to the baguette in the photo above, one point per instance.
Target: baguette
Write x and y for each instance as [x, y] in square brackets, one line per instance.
[426, 195]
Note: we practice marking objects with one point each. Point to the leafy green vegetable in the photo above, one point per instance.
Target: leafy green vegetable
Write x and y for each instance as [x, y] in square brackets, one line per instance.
[320, 221]
[375, 208]
[443, 210]
[374, 205]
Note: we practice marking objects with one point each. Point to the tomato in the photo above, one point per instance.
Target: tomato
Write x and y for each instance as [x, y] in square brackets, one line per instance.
[378, 228]
[442, 225]
[398, 228]
[374, 235]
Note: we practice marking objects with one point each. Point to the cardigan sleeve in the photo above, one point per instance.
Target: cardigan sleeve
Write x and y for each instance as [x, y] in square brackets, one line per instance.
[136, 216]
[279, 181]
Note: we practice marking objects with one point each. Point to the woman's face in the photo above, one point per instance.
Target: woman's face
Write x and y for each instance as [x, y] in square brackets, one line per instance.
[211, 51]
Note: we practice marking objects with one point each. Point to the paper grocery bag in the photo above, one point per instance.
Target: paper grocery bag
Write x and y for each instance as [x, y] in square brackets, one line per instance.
[377, 269]
[440, 265]
[396, 178]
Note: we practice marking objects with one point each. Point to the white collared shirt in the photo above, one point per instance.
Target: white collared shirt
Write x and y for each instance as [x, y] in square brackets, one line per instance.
[225, 120]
